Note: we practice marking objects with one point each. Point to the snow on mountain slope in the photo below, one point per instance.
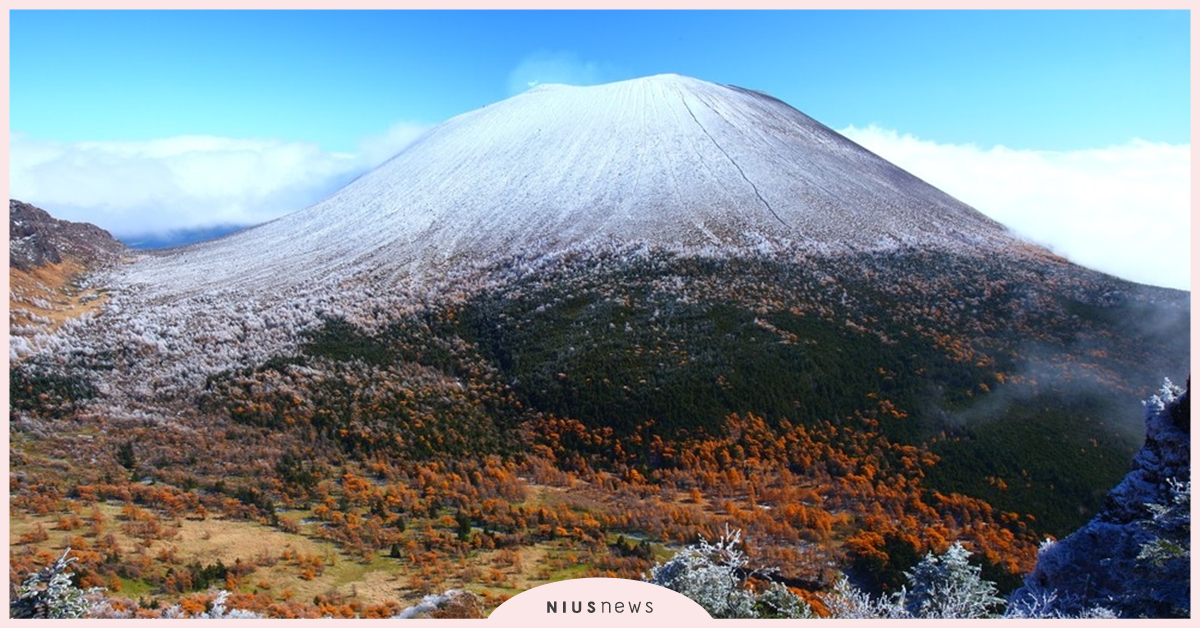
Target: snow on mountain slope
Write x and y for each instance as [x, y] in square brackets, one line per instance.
[665, 160]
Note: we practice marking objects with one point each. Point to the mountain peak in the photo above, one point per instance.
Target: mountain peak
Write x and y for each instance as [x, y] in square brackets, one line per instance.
[662, 161]
[668, 78]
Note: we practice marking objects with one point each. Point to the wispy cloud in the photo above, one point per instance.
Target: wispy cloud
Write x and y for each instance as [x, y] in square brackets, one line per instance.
[543, 67]
[188, 182]
[378, 149]
[1124, 210]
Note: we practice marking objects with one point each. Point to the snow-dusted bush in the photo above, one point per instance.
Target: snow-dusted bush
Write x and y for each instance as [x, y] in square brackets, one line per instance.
[779, 601]
[50, 594]
[713, 574]
[1166, 394]
[217, 610]
[948, 586]
[1171, 524]
[1047, 605]
[846, 601]
[708, 574]
[944, 586]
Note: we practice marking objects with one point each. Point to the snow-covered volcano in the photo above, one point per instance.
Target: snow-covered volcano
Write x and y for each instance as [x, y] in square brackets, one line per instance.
[666, 160]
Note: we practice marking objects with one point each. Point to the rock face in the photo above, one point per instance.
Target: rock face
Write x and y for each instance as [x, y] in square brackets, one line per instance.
[37, 239]
[49, 261]
[1134, 556]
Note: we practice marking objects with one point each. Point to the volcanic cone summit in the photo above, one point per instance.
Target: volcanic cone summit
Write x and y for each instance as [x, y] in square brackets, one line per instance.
[665, 161]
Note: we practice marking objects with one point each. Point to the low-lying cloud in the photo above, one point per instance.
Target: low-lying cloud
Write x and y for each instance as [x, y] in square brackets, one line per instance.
[1124, 210]
[188, 182]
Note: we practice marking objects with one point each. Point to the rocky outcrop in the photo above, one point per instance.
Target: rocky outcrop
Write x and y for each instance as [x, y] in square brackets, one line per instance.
[1134, 556]
[35, 239]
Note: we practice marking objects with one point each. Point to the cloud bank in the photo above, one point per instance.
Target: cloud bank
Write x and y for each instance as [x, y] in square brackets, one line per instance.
[1124, 210]
[188, 182]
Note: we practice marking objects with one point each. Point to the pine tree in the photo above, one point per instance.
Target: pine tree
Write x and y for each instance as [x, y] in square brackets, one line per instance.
[948, 586]
[50, 594]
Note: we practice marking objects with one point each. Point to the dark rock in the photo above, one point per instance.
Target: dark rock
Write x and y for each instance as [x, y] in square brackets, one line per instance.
[1111, 561]
[36, 239]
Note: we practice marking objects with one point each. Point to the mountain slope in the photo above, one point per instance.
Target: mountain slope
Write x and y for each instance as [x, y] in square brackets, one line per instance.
[49, 260]
[656, 288]
[665, 161]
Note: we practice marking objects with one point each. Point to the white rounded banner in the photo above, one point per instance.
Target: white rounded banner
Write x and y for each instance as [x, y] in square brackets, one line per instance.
[598, 601]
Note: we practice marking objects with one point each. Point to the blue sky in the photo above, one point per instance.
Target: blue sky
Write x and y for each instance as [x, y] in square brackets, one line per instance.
[151, 121]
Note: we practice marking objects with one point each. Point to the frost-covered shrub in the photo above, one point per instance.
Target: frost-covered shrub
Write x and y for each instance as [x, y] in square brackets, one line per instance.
[779, 602]
[708, 574]
[942, 586]
[1164, 562]
[50, 594]
[714, 576]
[945, 586]
[1046, 605]
[948, 586]
[217, 610]
[1171, 524]
[846, 601]
[1167, 393]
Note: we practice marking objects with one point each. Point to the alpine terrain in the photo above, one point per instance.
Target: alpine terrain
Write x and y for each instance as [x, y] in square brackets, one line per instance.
[563, 335]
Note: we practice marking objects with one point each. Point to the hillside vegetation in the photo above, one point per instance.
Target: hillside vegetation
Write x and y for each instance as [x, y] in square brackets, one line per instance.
[849, 413]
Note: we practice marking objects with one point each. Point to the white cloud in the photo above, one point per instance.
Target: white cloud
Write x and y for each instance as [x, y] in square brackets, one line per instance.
[378, 149]
[554, 67]
[185, 182]
[1124, 210]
